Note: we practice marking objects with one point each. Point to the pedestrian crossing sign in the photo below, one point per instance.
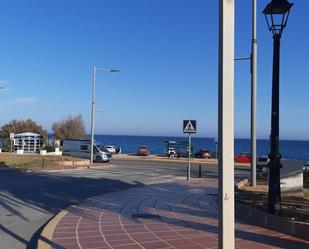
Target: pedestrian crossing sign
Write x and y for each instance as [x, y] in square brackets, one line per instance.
[189, 126]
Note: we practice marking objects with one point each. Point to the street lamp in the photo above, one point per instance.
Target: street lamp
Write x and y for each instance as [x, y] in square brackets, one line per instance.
[276, 14]
[95, 69]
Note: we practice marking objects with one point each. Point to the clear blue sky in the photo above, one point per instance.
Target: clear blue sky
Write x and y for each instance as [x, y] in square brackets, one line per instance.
[167, 52]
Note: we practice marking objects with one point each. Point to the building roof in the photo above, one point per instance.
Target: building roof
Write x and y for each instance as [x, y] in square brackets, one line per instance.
[27, 134]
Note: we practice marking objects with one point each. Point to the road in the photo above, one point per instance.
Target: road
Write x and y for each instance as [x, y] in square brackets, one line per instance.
[28, 200]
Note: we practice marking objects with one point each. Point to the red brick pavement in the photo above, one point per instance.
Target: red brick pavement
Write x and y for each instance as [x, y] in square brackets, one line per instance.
[182, 215]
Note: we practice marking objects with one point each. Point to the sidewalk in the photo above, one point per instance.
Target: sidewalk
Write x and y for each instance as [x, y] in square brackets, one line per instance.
[169, 215]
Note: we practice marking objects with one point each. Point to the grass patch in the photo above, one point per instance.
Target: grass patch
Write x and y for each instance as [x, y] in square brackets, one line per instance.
[33, 161]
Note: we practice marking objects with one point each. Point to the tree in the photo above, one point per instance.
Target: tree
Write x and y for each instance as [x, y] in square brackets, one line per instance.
[20, 126]
[71, 127]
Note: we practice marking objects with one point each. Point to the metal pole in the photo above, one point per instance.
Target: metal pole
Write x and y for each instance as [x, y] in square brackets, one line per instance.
[92, 115]
[253, 95]
[226, 125]
[274, 192]
[189, 159]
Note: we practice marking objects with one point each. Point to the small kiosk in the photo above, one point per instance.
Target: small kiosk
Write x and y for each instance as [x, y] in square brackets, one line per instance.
[28, 142]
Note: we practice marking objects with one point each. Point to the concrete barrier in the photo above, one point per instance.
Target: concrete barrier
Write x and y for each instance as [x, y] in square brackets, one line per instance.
[43, 152]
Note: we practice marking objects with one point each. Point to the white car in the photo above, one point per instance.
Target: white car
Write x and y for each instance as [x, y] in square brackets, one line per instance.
[262, 164]
[111, 148]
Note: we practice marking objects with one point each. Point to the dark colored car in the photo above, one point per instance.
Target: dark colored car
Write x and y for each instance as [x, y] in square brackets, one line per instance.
[143, 151]
[243, 158]
[117, 150]
[204, 153]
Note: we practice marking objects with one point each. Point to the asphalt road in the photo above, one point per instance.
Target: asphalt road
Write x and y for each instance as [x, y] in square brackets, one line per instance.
[29, 200]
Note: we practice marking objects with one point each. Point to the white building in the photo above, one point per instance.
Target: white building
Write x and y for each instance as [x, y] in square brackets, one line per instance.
[28, 142]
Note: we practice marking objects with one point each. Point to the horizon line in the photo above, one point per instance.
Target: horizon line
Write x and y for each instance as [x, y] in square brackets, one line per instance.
[244, 138]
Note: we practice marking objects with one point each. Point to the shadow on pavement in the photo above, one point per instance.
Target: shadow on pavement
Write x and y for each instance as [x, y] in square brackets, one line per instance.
[176, 206]
[47, 194]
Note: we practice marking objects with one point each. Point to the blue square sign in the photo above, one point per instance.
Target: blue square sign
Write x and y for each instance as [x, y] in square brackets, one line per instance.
[189, 126]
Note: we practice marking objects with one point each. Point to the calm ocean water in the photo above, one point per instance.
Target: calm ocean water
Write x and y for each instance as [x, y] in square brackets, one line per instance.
[129, 144]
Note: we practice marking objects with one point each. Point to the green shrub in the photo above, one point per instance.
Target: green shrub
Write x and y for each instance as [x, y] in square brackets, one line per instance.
[49, 148]
[7, 145]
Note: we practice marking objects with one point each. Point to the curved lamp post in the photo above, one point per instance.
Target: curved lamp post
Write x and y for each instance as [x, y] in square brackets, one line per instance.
[276, 14]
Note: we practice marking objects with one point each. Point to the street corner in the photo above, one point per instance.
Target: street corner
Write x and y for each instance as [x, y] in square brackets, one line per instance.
[45, 240]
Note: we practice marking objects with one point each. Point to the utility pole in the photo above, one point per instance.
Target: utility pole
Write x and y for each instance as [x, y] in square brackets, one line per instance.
[226, 125]
[253, 95]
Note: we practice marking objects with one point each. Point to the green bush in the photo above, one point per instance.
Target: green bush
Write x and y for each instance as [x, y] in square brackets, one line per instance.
[6, 145]
[49, 148]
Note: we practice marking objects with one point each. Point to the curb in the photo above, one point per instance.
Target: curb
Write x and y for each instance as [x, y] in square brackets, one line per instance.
[162, 159]
[82, 167]
[209, 162]
[261, 218]
[280, 224]
[45, 240]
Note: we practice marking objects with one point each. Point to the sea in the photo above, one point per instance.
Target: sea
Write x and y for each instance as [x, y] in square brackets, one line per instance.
[289, 149]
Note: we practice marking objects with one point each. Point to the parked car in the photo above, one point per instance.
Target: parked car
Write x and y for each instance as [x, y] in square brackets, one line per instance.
[262, 162]
[117, 150]
[110, 148]
[204, 153]
[103, 148]
[143, 151]
[243, 158]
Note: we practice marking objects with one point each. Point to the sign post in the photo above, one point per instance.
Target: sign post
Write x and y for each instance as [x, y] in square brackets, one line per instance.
[189, 126]
[189, 159]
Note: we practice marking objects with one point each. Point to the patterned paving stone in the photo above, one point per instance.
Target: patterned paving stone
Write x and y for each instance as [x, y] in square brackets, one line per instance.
[170, 215]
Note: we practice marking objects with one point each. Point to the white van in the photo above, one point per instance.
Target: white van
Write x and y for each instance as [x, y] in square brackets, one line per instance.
[82, 148]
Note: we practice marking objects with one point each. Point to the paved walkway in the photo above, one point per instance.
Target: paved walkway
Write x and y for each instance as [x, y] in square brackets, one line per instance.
[169, 215]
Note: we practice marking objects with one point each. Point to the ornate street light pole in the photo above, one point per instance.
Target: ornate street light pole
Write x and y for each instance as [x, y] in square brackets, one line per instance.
[276, 13]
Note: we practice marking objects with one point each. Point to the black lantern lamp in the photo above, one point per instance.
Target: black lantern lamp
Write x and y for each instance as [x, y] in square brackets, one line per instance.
[277, 14]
